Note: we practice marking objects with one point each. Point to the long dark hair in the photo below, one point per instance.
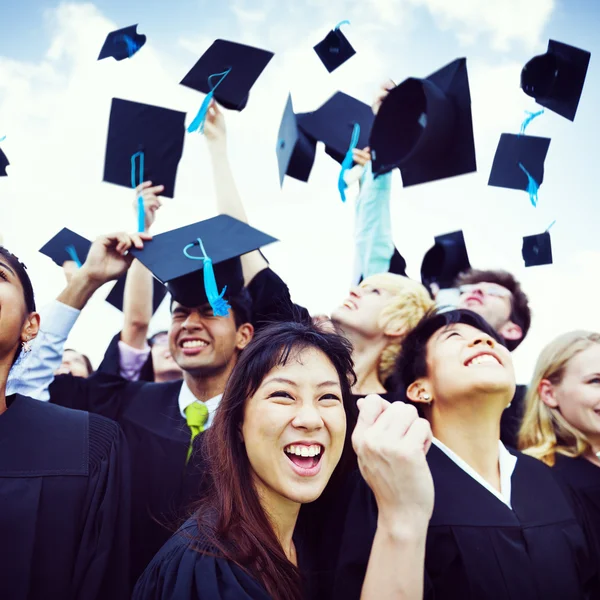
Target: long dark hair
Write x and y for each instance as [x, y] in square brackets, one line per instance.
[230, 516]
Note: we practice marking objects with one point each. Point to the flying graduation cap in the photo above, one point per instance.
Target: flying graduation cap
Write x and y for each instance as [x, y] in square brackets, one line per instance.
[295, 150]
[226, 72]
[123, 43]
[3, 164]
[519, 163]
[537, 249]
[555, 79]
[144, 143]
[445, 260]
[335, 49]
[424, 127]
[200, 263]
[116, 295]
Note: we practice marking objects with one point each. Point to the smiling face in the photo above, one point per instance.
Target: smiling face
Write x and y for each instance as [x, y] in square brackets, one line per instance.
[577, 396]
[463, 362]
[491, 301]
[294, 428]
[202, 343]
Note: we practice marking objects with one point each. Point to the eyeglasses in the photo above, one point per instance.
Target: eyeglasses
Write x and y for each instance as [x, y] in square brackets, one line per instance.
[499, 292]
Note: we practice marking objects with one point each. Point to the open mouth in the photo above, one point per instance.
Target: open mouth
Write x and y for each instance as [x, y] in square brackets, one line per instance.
[483, 359]
[349, 304]
[305, 457]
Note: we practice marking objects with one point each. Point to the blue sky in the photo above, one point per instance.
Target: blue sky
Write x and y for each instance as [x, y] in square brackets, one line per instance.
[55, 98]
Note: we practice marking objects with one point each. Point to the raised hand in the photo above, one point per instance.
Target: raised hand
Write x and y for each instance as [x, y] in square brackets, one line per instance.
[214, 127]
[151, 202]
[362, 157]
[381, 95]
[391, 443]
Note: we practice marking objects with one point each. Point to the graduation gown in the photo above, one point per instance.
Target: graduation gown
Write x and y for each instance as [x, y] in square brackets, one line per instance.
[181, 572]
[477, 547]
[64, 505]
[158, 438]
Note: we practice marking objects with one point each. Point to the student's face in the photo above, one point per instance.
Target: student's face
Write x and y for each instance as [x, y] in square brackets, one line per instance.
[463, 361]
[361, 311]
[162, 359]
[489, 300]
[74, 364]
[201, 343]
[297, 410]
[578, 394]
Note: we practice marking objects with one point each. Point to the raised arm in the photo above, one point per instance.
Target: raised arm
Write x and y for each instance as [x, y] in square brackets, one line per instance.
[229, 201]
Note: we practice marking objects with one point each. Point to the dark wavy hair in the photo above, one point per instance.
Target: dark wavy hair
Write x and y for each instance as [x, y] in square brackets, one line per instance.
[230, 517]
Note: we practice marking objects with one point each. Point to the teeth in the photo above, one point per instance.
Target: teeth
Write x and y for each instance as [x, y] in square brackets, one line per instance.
[484, 358]
[194, 344]
[313, 450]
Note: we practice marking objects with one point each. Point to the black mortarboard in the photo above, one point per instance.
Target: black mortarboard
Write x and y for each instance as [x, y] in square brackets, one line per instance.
[123, 43]
[137, 131]
[555, 79]
[229, 70]
[333, 124]
[176, 258]
[424, 127]
[537, 250]
[3, 164]
[67, 245]
[295, 150]
[115, 296]
[335, 49]
[515, 155]
[445, 260]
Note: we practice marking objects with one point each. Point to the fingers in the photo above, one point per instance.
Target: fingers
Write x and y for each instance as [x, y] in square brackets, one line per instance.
[419, 435]
[146, 189]
[370, 408]
[398, 419]
[122, 242]
[362, 157]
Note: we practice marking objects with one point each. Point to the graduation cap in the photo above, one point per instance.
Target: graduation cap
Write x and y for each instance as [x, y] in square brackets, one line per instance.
[123, 43]
[537, 249]
[335, 49]
[424, 127]
[226, 71]
[3, 164]
[445, 260]
[67, 245]
[555, 79]
[519, 163]
[295, 150]
[116, 295]
[144, 143]
[200, 263]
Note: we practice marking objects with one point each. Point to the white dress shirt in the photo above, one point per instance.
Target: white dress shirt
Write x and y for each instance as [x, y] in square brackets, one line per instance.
[186, 398]
[508, 462]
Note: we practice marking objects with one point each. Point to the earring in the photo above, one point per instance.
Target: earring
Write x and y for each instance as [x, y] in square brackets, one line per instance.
[26, 346]
[426, 398]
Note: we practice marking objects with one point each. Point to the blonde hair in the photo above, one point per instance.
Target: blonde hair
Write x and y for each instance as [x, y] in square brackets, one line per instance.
[410, 301]
[544, 431]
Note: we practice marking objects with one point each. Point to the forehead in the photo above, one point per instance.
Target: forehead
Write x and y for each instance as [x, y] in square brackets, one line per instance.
[466, 331]
[73, 355]
[306, 365]
[587, 360]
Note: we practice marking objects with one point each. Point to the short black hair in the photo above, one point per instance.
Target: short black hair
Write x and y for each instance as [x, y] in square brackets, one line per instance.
[21, 270]
[412, 361]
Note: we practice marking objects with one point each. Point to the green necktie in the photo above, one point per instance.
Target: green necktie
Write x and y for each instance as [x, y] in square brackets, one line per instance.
[196, 415]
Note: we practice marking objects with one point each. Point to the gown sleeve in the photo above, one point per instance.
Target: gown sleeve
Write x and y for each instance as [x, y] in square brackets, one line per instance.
[101, 568]
[180, 572]
[129, 363]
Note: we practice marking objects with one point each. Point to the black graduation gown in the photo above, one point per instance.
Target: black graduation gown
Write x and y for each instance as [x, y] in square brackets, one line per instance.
[64, 505]
[477, 547]
[180, 572]
[158, 439]
[512, 417]
[582, 480]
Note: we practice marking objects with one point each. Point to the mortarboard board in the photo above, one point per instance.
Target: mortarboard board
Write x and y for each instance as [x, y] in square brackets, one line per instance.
[295, 150]
[335, 49]
[3, 164]
[123, 43]
[519, 163]
[177, 259]
[228, 70]
[115, 296]
[334, 121]
[555, 79]
[424, 127]
[67, 245]
[537, 250]
[145, 143]
[445, 260]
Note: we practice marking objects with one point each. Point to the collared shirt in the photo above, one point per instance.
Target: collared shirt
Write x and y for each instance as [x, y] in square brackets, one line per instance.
[186, 397]
[507, 461]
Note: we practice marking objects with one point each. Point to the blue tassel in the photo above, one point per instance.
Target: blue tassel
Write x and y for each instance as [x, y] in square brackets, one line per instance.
[550, 226]
[198, 123]
[70, 250]
[219, 305]
[532, 186]
[530, 117]
[346, 22]
[2, 138]
[348, 161]
[132, 47]
[134, 184]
